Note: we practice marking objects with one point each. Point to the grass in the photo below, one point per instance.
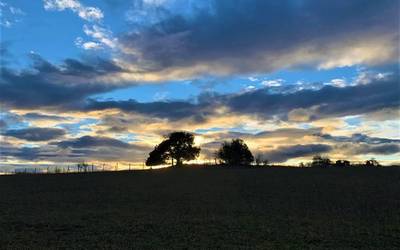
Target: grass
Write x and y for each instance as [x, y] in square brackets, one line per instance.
[270, 208]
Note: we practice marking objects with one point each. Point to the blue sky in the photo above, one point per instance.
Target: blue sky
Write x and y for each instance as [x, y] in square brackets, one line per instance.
[282, 75]
[53, 35]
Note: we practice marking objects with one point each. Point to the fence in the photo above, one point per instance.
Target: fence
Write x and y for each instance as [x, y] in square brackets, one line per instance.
[77, 168]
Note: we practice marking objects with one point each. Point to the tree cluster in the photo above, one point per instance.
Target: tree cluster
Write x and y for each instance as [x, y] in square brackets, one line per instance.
[321, 161]
[179, 147]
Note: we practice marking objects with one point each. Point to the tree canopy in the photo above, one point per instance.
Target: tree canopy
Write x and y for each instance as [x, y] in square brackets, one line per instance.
[178, 147]
[235, 152]
[319, 161]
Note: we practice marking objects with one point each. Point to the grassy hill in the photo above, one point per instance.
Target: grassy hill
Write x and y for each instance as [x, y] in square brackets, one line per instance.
[276, 208]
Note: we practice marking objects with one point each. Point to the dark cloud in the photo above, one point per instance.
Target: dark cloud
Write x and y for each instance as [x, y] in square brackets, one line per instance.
[134, 153]
[293, 133]
[328, 102]
[91, 141]
[47, 85]
[26, 153]
[35, 134]
[89, 69]
[82, 149]
[39, 116]
[172, 110]
[386, 149]
[255, 36]
[363, 148]
[3, 125]
[284, 153]
[358, 138]
[288, 132]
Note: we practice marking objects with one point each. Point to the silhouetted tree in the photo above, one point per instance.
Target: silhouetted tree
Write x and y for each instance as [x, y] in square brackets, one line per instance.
[319, 161]
[179, 147]
[159, 155]
[342, 163]
[372, 163]
[235, 152]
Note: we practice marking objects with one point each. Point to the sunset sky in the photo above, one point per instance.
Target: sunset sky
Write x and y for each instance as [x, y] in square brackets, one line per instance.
[106, 80]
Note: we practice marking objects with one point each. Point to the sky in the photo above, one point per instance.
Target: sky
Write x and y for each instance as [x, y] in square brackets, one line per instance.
[105, 81]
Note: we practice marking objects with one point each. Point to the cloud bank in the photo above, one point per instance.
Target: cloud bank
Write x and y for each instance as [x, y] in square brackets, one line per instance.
[250, 36]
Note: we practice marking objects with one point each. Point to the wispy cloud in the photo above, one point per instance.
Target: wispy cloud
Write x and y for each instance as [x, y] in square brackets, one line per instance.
[86, 13]
[100, 36]
[9, 15]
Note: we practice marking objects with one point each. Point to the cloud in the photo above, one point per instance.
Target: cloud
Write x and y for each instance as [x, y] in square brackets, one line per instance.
[358, 138]
[173, 110]
[272, 83]
[36, 134]
[298, 106]
[260, 142]
[86, 13]
[87, 45]
[328, 101]
[292, 133]
[378, 149]
[368, 76]
[288, 132]
[250, 36]
[9, 15]
[363, 149]
[3, 125]
[338, 82]
[102, 148]
[91, 141]
[10, 118]
[23, 153]
[47, 85]
[40, 116]
[86, 148]
[284, 153]
[102, 35]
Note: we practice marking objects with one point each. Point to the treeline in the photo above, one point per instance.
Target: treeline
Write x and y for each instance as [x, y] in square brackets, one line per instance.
[320, 161]
[179, 147]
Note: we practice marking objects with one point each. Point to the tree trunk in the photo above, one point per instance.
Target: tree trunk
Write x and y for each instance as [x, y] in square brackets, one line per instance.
[178, 162]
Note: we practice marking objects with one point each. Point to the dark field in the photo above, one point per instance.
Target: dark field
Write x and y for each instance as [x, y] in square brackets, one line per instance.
[271, 208]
